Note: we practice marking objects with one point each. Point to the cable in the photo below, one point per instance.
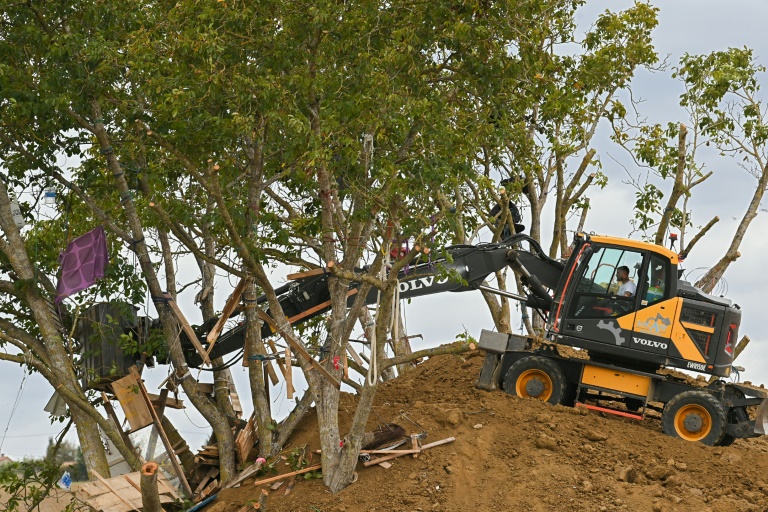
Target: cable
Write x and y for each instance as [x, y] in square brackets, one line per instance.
[13, 410]
[226, 365]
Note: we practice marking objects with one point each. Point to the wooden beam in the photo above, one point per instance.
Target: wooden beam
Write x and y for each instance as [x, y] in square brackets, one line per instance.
[288, 374]
[187, 328]
[229, 308]
[245, 474]
[171, 403]
[163, 437]
[299, 472]
[308, 273]
[373, 462]
[111, 413]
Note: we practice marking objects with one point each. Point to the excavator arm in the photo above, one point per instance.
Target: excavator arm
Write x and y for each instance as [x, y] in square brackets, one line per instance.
[460, 268]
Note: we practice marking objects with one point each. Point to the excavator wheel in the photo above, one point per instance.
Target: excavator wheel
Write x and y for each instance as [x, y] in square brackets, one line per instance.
[695, 416]
[537, 377]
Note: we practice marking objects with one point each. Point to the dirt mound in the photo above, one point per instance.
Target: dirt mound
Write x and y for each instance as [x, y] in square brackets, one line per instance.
[522, 454]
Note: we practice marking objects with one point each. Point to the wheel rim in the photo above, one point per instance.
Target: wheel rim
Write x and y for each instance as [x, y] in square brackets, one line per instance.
[693, 422]
[534, 384]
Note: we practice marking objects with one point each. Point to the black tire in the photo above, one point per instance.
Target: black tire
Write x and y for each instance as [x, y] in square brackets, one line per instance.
[537, 377]
[695, 416]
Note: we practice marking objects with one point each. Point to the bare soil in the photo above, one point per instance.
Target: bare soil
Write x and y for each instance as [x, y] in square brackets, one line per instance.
[520, 454]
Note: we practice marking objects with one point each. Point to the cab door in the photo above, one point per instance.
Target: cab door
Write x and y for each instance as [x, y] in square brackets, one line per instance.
[597, 312]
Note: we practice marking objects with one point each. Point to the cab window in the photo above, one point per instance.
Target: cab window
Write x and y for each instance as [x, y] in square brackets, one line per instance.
[655, 282]
[597, 294]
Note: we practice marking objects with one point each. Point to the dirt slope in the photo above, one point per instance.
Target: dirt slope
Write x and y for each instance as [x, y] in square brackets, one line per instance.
[516, 454]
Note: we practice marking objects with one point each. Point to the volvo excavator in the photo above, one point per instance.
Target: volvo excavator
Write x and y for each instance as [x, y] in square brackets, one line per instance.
[625, 343]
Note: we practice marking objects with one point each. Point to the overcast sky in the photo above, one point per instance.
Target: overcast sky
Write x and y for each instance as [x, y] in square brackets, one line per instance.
[684, 27]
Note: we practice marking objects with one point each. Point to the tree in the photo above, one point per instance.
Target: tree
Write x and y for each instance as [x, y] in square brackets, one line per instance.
[543, 134]
[304, 133]
[725, 87]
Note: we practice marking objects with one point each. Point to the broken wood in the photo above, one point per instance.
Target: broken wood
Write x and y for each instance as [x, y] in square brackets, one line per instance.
[307, 273]
[187, 328]
[135, 408]
[263, 499]
[112, 415]
[163, 437]
[114, 491]
[245, 440]
[229, 308]
[396, 455]
[171, 403]
[208, 490]
[277, 485]
[246, 473]
[299, 472]
[150, 498]
[211, 473]
[288, 374]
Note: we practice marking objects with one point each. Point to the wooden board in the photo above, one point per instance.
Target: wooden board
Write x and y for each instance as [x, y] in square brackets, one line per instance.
[229, 308]
[187, 328]
[135, 408]
[245, 440]
[171, 403]
[307, 273]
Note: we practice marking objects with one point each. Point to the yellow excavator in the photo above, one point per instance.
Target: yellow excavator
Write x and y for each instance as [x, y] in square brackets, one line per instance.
[622, 303]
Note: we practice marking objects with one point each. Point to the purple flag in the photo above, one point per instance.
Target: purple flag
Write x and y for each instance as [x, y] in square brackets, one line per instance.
[82, 263]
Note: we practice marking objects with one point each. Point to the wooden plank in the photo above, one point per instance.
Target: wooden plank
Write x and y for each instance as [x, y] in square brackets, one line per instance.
[160, 411]
[187, 328]
[288, 374]
[355, 356]
[307, 273]
[171, 403]
[317, 308]
[208, 490]
[234, 398]
[111, 413]
[136, 410]
[244, 441]
[212, 472]
[229, 308]
[299, 472]
[245, 474]
[277, 485]
[113, 490]
[163, 437]
[396, 455]
[133, 484]
[267, 319]
[279, 361]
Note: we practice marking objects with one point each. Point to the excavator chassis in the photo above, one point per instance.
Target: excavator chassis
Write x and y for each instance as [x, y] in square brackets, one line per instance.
[716, 414]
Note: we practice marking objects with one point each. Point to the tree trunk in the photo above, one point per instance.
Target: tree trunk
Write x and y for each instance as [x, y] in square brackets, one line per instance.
[713, 276]
[256, 373]
[150, 498]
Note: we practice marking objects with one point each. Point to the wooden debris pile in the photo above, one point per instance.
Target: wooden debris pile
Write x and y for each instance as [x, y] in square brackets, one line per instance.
[204, 477]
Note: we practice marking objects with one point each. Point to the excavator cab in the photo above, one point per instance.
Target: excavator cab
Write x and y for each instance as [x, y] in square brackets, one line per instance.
[620, 299]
